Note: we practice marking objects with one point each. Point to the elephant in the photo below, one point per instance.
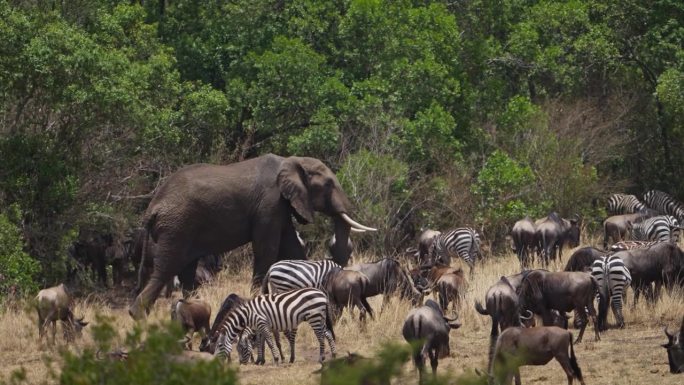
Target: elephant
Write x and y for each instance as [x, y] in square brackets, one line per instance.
[95, 251]
[210, 209]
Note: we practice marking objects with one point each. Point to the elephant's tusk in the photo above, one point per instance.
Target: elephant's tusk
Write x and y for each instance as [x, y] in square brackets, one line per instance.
[354, 229]
[356, 225]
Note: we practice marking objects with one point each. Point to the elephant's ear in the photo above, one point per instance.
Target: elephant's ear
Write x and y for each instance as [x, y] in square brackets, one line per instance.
[293, 187]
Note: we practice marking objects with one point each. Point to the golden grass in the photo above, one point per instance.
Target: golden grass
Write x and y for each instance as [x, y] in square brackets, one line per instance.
[629, 356]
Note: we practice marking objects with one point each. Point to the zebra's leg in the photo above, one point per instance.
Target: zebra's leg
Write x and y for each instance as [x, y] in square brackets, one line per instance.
[276, 336]
[261, 357]
[291, 335]
[616, 304]
[331, 343]
[268, 336]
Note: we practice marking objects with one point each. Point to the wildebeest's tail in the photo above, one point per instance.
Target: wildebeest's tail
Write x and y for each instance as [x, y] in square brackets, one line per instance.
[480, 309]
[577, 372]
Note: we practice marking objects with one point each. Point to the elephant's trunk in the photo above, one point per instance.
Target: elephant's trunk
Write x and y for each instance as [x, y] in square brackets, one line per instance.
[340, 248]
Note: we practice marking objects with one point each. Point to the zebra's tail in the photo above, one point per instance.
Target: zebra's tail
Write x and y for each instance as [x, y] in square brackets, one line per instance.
[328, 322]
[264, 283]
[576, 371]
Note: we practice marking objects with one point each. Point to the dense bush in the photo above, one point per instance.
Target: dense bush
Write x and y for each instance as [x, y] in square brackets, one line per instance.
[18, 271]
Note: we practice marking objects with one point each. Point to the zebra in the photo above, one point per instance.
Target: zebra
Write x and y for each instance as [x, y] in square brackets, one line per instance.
[245, 346]
[613, 277]
[463, 242]
[663, 228]
[631, 245]
[279, 312]
[665, 204]
[624, 204]
[297, 274]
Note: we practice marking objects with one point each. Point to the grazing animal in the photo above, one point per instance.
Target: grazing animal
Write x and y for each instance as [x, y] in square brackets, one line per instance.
[675, 349]
[193, 316]
[426, 244]
[503, 306]
[631, 245]
[387, 277]
[665, 203]
[347, 288]
[451, 289]
[279, 312]
[518, 347]
[662, 263]
[624, 204]
[297, 274]
[428, 325]
[552, 233]
[331, 371]
[524, 241]
[54, 304]
[463, 242]
[663, 228]
[582, 259]
[245, 340]
[618, 227]
[613, 278]
[542, 291]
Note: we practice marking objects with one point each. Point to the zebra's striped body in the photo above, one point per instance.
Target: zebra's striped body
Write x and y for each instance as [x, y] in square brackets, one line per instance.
[613, 278]
[631, 245]
[663, 228]
[624, 204]
[665, 204]
[279, 312]
[463, 242]
[297, 274]
[245, 346]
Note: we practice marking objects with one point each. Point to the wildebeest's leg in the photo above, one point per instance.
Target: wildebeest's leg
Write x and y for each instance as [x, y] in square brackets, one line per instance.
[291, 335]
[592, 315]
[517, 376]
[54, 330]
[432, 352]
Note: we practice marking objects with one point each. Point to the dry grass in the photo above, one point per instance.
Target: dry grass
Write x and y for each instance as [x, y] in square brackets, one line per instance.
[629, 356]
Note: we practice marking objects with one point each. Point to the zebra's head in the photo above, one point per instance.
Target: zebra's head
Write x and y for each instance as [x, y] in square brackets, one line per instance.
[221, 343]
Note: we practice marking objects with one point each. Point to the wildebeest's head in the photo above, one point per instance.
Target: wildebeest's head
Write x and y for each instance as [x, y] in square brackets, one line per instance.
[573, 234]
[530, 291]
[675, 349]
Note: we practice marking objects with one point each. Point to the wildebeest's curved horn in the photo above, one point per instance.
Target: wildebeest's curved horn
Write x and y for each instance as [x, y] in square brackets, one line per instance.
[529, 316]
[667, 334]
[97, 354]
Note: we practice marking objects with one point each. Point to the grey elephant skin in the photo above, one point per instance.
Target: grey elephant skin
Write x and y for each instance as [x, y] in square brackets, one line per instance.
[210, 209]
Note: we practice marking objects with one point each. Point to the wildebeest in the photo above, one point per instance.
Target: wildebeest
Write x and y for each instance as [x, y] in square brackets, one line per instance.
[518, 347]
[54, 304]
[523, 240]
[675, 349]
[582, 259]
[426, 243]
[386, 277]
[542, 291]
[347, 288]
[553, 232]
[451, 289]
[618, 227]
[662, 263]
[429, 325]
[193, 316]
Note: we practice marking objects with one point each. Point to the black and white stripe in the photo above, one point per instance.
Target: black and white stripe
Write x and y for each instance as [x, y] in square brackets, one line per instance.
[297, 274]
[245, 346]
[663, 228]
[665, 204]
[624, 204]
[463, 242]
[613, 279]
[279, 312]
[631, 245]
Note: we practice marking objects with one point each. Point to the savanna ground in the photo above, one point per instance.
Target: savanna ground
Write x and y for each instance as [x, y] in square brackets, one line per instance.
[629, 356]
